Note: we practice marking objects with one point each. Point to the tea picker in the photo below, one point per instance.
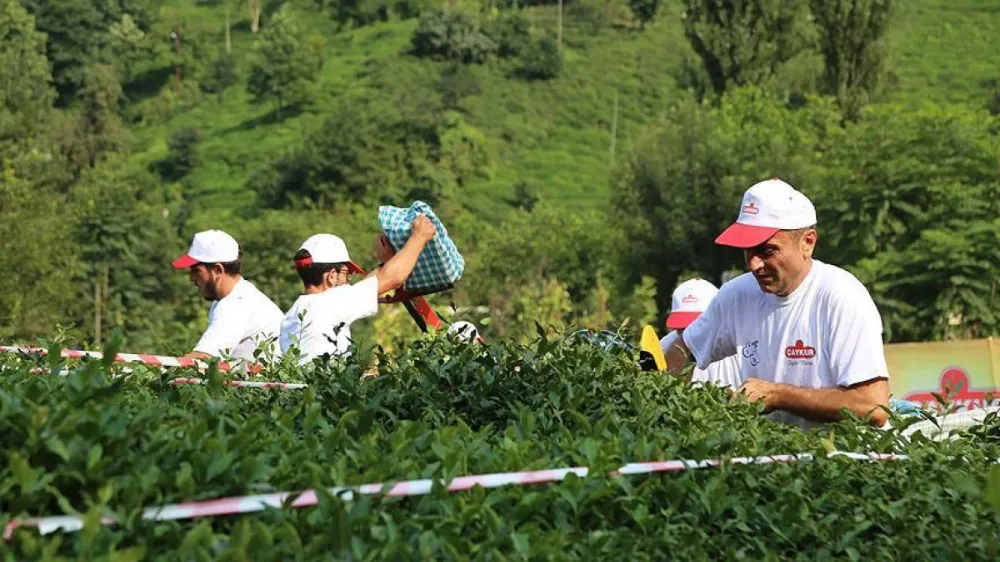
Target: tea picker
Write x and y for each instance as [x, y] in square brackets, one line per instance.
[807, 334]
[318, 324]
[242, 320]
[417, 258]
[688, 301]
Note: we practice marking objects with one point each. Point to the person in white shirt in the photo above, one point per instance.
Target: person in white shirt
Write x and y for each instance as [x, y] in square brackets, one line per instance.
[808, 334]
[241, 319]
[319, 322]
[689, 300]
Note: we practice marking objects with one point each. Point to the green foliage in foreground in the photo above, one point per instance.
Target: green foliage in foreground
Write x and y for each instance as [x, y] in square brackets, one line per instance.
[95, 444]
[127, 126]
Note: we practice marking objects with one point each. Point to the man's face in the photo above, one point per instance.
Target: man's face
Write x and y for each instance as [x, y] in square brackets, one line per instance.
[780, 264]
[206, 278]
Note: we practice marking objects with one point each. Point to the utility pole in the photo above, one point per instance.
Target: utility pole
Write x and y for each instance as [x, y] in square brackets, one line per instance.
[614, 128]
[107, 290]
[100, 298]
[177, 50]
[97, 311]
[229, 41]
[254, 7]
[559, 26]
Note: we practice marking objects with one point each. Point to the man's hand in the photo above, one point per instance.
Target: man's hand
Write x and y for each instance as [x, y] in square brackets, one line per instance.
[865, 399]
[396, 270]
[422, 227]
[757, 390]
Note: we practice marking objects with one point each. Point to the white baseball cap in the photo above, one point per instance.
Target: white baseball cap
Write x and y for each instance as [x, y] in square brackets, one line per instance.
[768, 207]
[465, 331]
[209, 246]
[327, 248]
[689, 300]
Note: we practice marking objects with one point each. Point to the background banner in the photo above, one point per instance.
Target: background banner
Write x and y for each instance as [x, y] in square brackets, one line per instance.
[967, 371]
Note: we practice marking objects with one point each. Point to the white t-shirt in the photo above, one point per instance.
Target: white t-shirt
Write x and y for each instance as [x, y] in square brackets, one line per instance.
[827, 333]
[240, 322]
[321, 323]
[725, 373]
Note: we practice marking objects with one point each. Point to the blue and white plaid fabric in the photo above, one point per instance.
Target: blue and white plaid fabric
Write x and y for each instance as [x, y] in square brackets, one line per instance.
[439, 265]
[904, 407]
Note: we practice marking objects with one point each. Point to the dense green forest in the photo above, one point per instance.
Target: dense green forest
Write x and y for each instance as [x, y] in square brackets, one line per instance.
[583, 154]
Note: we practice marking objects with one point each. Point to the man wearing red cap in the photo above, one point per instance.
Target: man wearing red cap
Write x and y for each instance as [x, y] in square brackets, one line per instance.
[241, 318]
[808, 334]
[689, 300]
[319, 322]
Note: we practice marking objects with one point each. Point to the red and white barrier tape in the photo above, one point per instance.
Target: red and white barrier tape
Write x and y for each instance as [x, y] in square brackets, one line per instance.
[245, 384]
[189, 380]
[145, 359]
[256, 503]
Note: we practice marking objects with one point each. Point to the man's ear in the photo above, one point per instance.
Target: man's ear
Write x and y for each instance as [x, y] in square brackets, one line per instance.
[809, 241]
[218, 269]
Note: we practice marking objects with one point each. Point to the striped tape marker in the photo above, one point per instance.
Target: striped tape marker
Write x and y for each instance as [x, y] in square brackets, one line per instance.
[245, 384]
[256, 503]
[189, 380]
[143, 358]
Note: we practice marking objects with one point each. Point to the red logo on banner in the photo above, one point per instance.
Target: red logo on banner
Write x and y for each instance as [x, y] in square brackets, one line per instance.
[800, 351]
[955, 386]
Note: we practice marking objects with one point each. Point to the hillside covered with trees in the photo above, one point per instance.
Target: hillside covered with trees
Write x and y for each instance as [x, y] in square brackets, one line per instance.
[583, 154]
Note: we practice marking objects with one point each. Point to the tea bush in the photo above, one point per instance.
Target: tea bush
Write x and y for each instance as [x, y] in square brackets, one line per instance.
[102, 445]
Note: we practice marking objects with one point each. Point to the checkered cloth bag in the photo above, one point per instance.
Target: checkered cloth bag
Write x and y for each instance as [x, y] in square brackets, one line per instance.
[440, 265]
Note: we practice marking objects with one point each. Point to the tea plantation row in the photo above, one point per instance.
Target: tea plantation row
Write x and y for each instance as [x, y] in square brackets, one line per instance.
[99, 445]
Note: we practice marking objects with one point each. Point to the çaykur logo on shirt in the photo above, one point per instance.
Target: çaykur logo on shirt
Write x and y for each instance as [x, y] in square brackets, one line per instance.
[799, 351]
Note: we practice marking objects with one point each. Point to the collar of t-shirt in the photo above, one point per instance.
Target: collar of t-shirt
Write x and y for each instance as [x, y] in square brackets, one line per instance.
[799, 292]
[325, 293]
[239, 288]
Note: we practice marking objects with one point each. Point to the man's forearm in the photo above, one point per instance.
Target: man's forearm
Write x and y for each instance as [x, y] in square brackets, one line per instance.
[398, 268]
[824, 404]
[677, 356]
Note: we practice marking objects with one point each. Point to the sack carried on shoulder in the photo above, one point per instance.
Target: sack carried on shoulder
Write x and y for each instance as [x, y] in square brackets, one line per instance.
[440, 265]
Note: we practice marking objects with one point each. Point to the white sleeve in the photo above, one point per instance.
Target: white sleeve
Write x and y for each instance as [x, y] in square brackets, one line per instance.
[362, 300]
[226, 325]
[668, 340]
[709, 338]
[727, 372]
[856, 353]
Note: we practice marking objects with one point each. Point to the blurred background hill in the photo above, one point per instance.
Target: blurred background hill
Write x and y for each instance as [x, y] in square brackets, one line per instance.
[583, 154]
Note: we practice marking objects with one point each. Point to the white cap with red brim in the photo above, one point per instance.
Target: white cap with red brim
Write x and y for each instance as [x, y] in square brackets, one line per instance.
[689, 300]
[465, 331]
[768, 207]
[327, 248]
[209, 246]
